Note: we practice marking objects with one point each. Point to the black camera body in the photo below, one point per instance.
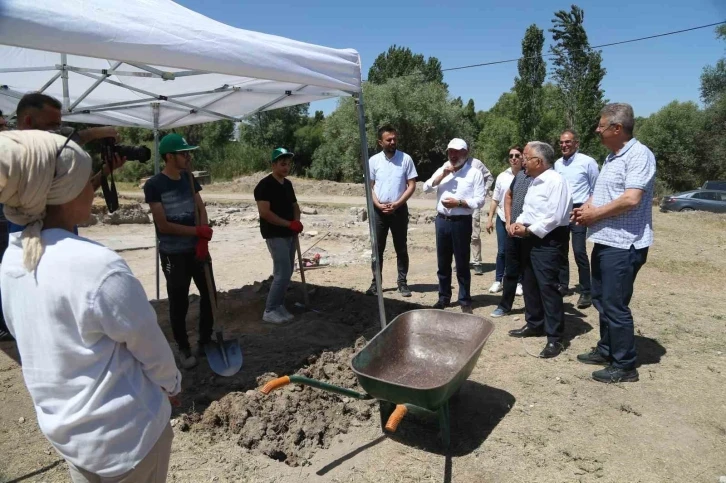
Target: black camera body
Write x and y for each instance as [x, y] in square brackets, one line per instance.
[132, 153]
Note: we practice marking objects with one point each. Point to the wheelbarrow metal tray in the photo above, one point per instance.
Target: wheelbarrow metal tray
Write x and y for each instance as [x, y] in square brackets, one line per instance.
[422, 357]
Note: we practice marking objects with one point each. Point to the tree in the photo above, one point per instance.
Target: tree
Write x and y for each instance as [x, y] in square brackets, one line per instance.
[674, 134]
[274, 128]
[499, 132]
[713, 79]
[578, 73]
[528, 85]
[422, 113]
[400, 61]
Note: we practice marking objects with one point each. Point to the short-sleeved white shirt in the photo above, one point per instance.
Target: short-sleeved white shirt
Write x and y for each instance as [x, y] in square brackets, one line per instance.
[391, 175]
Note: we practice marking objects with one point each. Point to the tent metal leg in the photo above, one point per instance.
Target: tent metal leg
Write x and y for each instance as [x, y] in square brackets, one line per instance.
[64, 77]
[155, 108]
[371, 211]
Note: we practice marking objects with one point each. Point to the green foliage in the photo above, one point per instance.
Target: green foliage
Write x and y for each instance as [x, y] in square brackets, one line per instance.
[400, 61]
[578, 73]
[528, 85]
[713, 79]
[674, 136]
[421, 112]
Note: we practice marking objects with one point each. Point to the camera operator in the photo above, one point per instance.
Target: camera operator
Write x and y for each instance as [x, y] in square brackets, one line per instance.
[40, 111]
[98, 368]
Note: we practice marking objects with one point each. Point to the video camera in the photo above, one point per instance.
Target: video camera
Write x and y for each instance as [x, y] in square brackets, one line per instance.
[109, 149]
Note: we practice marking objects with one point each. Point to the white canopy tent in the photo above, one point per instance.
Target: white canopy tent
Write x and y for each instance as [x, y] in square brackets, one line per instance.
[158, 65]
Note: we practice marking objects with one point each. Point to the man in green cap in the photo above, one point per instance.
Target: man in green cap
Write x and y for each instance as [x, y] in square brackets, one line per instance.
[279, 225]
[183, 247]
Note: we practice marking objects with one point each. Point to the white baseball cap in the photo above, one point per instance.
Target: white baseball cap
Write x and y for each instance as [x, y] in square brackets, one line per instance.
[457, 144]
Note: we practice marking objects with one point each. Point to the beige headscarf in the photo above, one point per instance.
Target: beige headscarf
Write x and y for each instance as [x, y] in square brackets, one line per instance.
[33, 176]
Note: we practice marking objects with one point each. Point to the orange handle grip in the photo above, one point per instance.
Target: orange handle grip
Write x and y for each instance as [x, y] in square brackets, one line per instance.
[395, 419]
[275, 384]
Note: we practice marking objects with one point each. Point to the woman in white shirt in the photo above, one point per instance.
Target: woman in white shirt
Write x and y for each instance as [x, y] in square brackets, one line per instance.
[97, 366]
[501, 186]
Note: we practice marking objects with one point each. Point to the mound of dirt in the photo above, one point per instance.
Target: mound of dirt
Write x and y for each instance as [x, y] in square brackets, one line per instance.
[291, 423]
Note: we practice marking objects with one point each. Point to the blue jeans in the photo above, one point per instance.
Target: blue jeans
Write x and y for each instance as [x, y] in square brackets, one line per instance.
[613, 276]
[283, 261]
[453, 238]
[501, 248]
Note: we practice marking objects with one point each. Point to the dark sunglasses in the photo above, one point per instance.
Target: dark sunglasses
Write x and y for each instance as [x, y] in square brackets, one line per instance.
[514, 156]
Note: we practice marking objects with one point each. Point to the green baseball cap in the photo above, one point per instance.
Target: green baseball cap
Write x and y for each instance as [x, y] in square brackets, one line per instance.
[279, 153]
[174, 143]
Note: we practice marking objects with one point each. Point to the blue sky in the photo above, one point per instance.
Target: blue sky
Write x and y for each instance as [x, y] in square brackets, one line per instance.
[647, 74]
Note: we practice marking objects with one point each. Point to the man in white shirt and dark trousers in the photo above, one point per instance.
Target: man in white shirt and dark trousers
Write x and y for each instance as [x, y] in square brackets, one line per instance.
[460, 190]
[581, 172]
[544, 228]
[620, 221]
[393, 181]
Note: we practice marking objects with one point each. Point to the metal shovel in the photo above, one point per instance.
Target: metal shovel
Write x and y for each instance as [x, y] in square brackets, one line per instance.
[224, 356]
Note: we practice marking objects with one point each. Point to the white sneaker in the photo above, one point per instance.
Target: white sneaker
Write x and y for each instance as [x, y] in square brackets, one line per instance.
[273, 317]
[519, 291]
[496, 287]
[287, 315]
[187, 360]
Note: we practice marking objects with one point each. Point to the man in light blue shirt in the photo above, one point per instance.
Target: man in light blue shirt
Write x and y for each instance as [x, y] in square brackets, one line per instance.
[620, 221]
[393, 181]
[581, 172]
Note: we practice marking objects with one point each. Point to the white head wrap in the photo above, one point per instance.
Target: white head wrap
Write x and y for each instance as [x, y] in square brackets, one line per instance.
[32, 175]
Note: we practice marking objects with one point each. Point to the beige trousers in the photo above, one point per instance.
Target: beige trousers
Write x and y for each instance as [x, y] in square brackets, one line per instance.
[476, 237]
[152, 469]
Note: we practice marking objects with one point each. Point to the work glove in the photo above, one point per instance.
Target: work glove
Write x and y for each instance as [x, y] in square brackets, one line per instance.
[296, 226]
[202, 249]
[204, 232]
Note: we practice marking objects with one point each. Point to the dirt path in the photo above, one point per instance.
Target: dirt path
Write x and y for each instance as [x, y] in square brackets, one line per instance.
[517, 419]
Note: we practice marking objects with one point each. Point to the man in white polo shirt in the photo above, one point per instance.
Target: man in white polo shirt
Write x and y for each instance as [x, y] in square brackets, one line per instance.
[393, 181]
[460, 190]
[581, 172]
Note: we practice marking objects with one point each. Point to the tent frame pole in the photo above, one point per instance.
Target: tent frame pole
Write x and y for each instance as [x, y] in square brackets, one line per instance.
[370, 207]
[64, 77]
[155, 109]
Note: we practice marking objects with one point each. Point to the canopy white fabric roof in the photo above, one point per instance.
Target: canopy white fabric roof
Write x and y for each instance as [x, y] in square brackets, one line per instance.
[210, 70]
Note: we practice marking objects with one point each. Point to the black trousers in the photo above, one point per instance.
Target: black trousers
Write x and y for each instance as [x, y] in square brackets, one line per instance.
[397, 223]
[3, 246]
[179, 270]
[512, 272]
[542, 261]
[579, 248]
[453, 239]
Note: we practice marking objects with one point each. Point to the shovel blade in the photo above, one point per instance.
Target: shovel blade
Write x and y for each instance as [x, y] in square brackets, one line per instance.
[217, 353]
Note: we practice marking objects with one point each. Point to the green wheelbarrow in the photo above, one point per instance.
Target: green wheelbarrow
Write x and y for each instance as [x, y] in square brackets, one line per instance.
[416, 364]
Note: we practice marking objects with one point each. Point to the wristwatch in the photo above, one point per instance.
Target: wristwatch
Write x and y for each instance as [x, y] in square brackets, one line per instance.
[460, 203]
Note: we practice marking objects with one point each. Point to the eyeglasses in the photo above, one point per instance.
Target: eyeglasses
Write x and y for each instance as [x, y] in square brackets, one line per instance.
[565, 142]
[186, 154]
[513, 156]
[602, 129]
[527, 160]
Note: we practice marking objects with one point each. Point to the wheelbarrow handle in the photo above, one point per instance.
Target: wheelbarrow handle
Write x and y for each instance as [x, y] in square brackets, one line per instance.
[395, 418]
[275, 384]
[285, 380]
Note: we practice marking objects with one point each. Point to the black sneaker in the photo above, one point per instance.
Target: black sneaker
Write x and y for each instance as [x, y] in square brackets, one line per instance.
[404, 290]
[563, 290]
[478, 270]
[5, 336]
[612, 374]
[593, 357]
[467, 309]
[441, 305]
[372, 290]
[584, 301]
